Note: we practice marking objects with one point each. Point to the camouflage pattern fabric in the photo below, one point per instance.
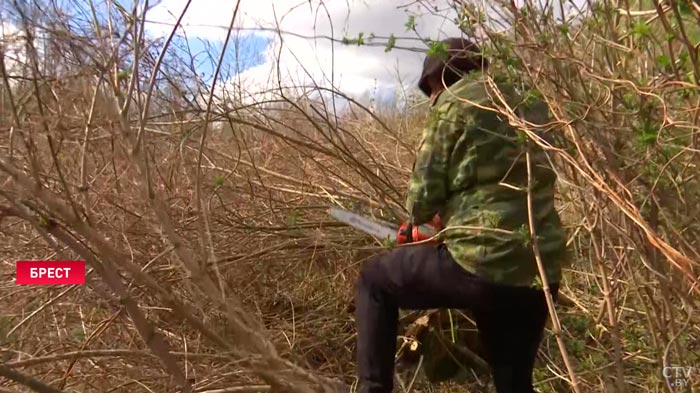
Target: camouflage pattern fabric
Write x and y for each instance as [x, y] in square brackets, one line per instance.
[471, 169]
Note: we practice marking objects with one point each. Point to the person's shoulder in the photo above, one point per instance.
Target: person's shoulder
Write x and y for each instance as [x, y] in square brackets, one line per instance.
[468, 92]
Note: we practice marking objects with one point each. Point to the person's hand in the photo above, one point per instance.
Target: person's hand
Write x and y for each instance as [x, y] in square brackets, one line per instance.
[409, 233]
[436, 222]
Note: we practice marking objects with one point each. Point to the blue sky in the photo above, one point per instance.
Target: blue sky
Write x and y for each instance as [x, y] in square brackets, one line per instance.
[243, 51]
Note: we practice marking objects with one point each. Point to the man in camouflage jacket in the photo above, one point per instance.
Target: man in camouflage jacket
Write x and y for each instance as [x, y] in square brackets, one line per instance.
[471, 171]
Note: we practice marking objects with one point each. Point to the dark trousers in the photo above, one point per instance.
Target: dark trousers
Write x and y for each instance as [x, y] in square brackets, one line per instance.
[510, 320]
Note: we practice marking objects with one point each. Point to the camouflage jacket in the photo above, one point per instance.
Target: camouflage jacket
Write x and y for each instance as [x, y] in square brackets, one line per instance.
[471, 169]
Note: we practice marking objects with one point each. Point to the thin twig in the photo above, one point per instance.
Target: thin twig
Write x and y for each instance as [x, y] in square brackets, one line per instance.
[556, 325]
[30, 382]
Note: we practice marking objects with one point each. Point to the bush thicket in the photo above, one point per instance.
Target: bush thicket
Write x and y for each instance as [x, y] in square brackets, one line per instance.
[202, 214]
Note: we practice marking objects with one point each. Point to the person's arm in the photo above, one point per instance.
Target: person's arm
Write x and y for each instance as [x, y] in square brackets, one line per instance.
[428, 188]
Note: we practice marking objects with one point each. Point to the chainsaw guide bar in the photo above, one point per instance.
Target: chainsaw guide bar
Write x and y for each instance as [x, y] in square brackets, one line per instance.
[364, 224]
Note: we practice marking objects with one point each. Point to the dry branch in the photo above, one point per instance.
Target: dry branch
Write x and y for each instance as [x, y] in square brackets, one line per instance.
[26, 380]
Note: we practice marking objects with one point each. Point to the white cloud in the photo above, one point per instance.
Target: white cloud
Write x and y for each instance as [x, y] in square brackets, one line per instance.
[356, 71]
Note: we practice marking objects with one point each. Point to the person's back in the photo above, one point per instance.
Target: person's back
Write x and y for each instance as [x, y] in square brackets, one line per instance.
[487, 187]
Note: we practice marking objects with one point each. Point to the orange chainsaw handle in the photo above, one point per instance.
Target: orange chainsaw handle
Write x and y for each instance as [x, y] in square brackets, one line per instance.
[408, 233]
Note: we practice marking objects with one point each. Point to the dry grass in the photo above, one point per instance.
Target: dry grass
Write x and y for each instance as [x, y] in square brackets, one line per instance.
[215, 267]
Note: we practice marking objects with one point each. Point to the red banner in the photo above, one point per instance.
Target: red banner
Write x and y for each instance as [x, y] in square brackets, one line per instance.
[50, 272]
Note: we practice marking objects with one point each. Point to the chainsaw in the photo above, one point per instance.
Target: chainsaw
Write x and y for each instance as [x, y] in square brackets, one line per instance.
[401, 234]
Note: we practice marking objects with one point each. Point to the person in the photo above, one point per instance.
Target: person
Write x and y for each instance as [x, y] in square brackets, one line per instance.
[471, 172]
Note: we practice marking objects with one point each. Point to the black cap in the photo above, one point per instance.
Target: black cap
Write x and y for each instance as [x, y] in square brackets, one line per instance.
[463, 56]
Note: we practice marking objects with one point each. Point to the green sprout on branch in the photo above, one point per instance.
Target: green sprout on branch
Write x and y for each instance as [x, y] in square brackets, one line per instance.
[410, 23]
[438, 49]
[390, 44]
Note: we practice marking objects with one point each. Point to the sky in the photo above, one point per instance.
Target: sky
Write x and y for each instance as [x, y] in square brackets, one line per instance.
[259, 57]
[361, 72]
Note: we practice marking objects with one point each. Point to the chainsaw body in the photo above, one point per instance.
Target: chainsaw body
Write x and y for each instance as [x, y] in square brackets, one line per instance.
[409, 233]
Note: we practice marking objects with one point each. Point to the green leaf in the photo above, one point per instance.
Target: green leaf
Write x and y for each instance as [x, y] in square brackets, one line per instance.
[564, 28]
[647, 134]
[576, 347]
[686, 93]
[219, 181]
[410, 23]
[522, 137]
[663, 61]
[122, 75]
[630, 99]
[360, 40]
[388, 243]
[641, 29]
[524, 234]
[390, 44]
[684, 7]
[438, 49]
[533, 97]
[537, 282]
